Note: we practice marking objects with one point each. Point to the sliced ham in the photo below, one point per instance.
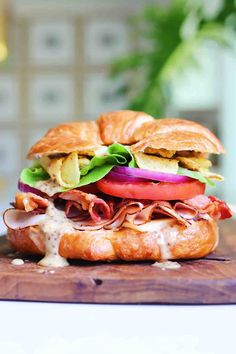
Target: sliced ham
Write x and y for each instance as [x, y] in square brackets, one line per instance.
[89, 212]
[19, 219]
[173, 214]
[115, 222]
[200, 202]
[143, 216]
[130, 209]
[75, 212]
[30, 202]
[185, 211]
[154, 210]
[97, 208]
[157, 210]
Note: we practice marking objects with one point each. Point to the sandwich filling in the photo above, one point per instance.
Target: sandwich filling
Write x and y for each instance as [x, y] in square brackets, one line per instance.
[117, 188]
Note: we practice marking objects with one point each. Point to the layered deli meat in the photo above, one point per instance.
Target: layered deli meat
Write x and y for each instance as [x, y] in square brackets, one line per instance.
[125, 171]
[118, 188]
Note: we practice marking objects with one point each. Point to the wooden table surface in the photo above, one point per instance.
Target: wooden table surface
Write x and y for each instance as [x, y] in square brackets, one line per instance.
[211, 280]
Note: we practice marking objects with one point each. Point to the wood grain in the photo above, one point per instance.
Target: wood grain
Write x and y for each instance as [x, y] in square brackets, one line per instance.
[211, 280]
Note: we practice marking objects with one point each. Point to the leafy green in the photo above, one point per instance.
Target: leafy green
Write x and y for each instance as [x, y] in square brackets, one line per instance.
[196, 175]
[32, 175]
[169, 39]
[95, 174]
[98, 167]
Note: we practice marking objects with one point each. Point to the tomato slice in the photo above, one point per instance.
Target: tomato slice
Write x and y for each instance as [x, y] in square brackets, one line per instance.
[151, 190]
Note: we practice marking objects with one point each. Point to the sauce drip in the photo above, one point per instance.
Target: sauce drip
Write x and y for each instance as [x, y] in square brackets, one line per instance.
[54, 226]
[49, 187]
[164, 246]
[166, 265]
[165, 238]
[17, 262]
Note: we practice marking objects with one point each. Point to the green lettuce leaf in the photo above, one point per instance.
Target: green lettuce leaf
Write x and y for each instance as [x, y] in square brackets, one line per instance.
[95, 174]
[196, 175]
[34, 174]
[98, 167]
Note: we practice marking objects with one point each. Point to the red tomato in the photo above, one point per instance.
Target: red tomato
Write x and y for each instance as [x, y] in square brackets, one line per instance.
[151, 190]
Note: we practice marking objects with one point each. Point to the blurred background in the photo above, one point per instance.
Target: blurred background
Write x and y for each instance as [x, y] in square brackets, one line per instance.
[64, 60]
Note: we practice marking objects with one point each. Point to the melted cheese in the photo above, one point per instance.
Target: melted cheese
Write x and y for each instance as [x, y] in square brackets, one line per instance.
[54, 226]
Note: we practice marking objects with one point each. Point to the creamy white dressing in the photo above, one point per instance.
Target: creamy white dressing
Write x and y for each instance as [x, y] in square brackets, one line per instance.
[17, 262]
[45, 271]
[50, 187]
[166, 265]
[101, 151]
[164, 245]
[166, 240]
[54, 226]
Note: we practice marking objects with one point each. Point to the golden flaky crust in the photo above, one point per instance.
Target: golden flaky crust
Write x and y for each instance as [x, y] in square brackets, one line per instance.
[195, 241]
[120, 126]
[176, 141]
[169, 125]
[83, 137]
[127, 127]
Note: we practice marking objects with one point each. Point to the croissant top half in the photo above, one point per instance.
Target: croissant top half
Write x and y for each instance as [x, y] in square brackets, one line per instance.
[138, 129]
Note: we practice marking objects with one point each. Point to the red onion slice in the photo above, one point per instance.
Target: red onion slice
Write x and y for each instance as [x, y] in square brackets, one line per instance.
[150, 175]
[25, 188]
[123, 178]
[19, 219]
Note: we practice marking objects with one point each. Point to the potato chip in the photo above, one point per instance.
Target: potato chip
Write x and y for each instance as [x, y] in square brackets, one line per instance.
[64, 170]
[194, 163]
[155, 163]
[160, 152]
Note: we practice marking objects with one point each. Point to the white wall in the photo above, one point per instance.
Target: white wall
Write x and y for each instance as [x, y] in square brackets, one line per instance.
[228, 123]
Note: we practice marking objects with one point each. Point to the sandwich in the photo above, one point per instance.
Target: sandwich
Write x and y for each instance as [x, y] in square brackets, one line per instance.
[125, 187]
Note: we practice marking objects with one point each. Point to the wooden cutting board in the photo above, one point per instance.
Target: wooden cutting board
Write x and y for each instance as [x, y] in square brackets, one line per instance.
[206, 281]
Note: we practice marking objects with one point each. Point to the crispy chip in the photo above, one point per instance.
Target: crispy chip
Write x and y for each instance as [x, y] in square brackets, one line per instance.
[194, 163]
[64, 170]
[155, 163]
[161, 152]
[213, 176]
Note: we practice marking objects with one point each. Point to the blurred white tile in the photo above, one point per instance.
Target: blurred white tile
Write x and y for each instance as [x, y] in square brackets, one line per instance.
[198, 88]
[9, 151]
[8, 98]
[101, 94]
[105, 40]
[51, 98]
[35, 136]
[8, 188]
[51, 42]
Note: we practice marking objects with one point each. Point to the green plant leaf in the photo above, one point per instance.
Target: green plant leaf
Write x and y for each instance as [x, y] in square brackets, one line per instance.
[167, 54]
